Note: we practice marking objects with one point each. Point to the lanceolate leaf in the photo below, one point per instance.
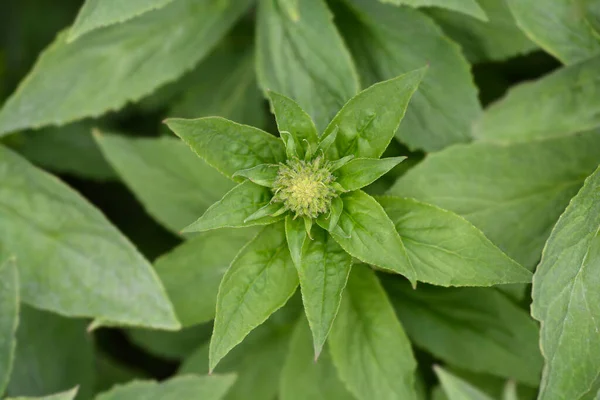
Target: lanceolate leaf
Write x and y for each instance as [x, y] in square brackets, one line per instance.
[559, 27]
[71, 259]
[68, 395]
[513, 193]
[191, 273]
[174, 184]
[99, 13]
[567, 302]
[293, 119]
[533, 111]
[178, 388]
[446, 250]
[226, 145]
[260, 281]
[361, 172]
[323, 273]
[263, 174]
[296, 235]
[366, 232]
[233, 210]
[469, 7]
[368, 345]
[302, 56]
[118, 64]
[9, 317]
[383, 41]
[458, 389]
[366, 124]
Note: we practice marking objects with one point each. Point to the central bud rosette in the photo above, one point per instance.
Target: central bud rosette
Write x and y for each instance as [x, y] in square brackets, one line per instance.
[305, 187]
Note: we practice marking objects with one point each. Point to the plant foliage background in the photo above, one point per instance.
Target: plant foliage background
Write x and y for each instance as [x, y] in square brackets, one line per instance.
[470, 270]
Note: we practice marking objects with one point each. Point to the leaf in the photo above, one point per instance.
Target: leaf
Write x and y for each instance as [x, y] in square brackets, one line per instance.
[366, 232]
[178, 388]
[566, 300]
[53, 354]
[118, 64]
[513, 193]
[469, 7]
[495, 40]
[263, 174]
[234, 209]
[446, 250]
[388, 41]
[72, 260]
[171, 345]
[260, 280]
[68, 395]
[96, 14]
[257, 362]
[361, 172]
[302, 56]
[304, 379]
[192, 271]
[368, 345]
[296, 235]
[510, 391]
[478, 329]
[173, 184]
[558, 26]
[293, 119]
[9, 318]
[366, 124]
[323, 272]
[226, 145]
[457, 389]
[110, 373]
[534, 111]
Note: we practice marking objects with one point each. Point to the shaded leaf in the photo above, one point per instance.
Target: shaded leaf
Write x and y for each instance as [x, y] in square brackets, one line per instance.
[68, 395]
[469, 7]
[171, 345]
[9, 317]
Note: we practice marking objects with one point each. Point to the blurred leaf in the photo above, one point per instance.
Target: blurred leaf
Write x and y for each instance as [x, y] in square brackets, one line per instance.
[558, 26]
[513, 193]
[566, 299]
[562, 103]
[493, 386]
[302, 56]
[592, 13]
[9, 317]
[477, 329]
[493, 40]
[458, 389]
[100, 13]
[387, 41]
[178, 388]
[53, 354]
[68, 395]
[469, 7]
[71, 259]
[171, 345]
[118, 64]
[192, 272]
[110, 373]
[172, 182]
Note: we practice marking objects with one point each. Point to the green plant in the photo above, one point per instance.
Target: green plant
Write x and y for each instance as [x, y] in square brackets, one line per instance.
[364, 227]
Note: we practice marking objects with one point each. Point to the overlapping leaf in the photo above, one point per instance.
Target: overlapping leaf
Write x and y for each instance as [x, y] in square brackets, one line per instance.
[9, 317]
[469, 7]
[458, 389]
[68, 395]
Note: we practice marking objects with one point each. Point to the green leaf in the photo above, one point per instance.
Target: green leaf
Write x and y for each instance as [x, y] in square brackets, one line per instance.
[559, 27]
[96, 14]
[388, 41]
[260, 280]
[446, 250]
[510, 391]
[366, 124]
[72, 260]
[323, 272]
[226, 145]
[592, 13]
[293, 119]
[53, 354]
[121, 63]
[178, 388]
[171, 345]
[110, 372]
[566, 299]
[9, 318]
[304, 379]
[263, 174]
[257, 362]
[458, 389]
[534, 111]
[494, 40]
[513, 193]
[296, 234]
[173, 184]
[366, 232]
[68, 395]
[468, 7]
[368, 345]
[361, 172]
[478, 329]
[302, 56]
[192, 271]
[233, 210]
